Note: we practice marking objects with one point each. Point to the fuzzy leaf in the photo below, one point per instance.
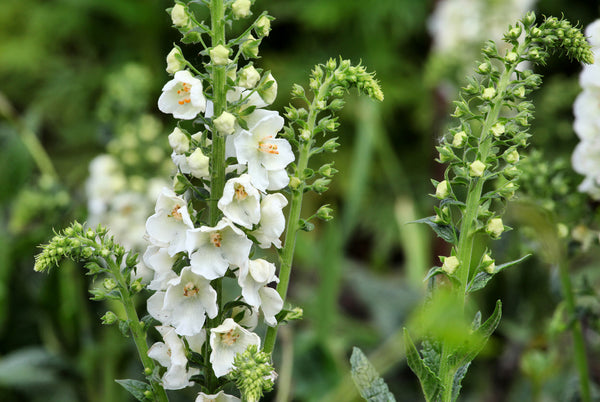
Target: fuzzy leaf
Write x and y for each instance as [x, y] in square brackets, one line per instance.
[446, 232]
[458, 377]
[135, 388]
[430, 383]
[370, 385]
[482, 278]
[481, 335]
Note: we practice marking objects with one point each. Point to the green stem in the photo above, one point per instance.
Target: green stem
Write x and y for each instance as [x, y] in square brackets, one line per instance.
[469, 221]
[217, 174]
[287, 255]
[137, 331]
[578, 341]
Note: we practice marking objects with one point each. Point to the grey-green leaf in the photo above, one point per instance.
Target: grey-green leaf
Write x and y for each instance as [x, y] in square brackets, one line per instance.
[370, 385]
[430, 383]
[135, 388]
[446, 232]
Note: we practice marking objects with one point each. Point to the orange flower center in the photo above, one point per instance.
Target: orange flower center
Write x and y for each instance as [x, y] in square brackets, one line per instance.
[216, 239]
[184, 93]
[267, 147]
[230, 337]
[190, 289]
[240, 192]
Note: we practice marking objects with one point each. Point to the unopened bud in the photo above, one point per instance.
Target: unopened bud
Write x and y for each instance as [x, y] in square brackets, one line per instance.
[511, 57]
[241, 8]
[250, 47]
[331, 145]
[179, 141]
[321, 185]
[327, 170]
[109, 284]
[263, 26]
[109, 318]
[498, 129]
[295, 182]
[450, 264]
[269, 94]
[488, 264]
[249, 77]
[219, 55]
[495, 227]
[488, 93]
[441, 190]
[446, 154]
[459, 139]
[175, 61]
[179, 16]
[476, 169]
[512, 156]
[324, 213]
[225, 123]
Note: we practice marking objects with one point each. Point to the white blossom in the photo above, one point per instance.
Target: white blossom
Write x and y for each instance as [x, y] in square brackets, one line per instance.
[253, 280]
[185, 304]
[259, 148]
[213, 249]
[171, 354]
[220, 397]
[241, 201]
[586, 161]
[182, 96]
[169, 224]
[272, 220]
[226, 341]
[161, 263]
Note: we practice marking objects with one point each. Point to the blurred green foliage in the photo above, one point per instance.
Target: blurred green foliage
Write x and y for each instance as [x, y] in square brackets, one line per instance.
[357, 277]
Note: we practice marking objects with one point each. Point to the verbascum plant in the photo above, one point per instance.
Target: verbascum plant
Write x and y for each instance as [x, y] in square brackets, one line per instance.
[236, 160]
[482, 153]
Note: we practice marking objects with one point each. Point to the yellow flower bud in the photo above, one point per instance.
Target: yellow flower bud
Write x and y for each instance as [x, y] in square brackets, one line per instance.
[476, 168]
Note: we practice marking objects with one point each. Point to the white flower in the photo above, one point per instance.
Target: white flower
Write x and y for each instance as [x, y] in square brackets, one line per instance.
[161, 263]
[249, 77]
[182, 96]
[213, 249]
[586, 161]
[198, 164]
[179, 141]
[226, 341]
[259, 148]
[253, 281]
[241, 201]
[272, 221]
[171, 354]
[169, 224]
[587, 114]
[106, 179]
[590, 76]
[592, 31]
[189, 297]
[220, 397]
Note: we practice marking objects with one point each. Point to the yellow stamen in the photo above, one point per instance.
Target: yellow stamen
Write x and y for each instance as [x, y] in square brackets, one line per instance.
[190, 289]
[216, 239]
[240, 192]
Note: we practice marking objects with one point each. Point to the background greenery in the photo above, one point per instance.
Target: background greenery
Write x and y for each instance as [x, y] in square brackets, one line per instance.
[357, 277]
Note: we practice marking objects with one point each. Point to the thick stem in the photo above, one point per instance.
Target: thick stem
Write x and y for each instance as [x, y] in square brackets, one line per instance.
[578, 341]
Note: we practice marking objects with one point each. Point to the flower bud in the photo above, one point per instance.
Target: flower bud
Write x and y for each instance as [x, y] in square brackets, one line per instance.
[459, 139]
[512, 156]
[219, 55]
[498, 129]
[175, 61]
[263, 26]
[331, 145]
[511, 171]
[489, 93]
[198, 164]
[446, 154]
[529, 19]
[511, 57]
[484, 68]
[269, 94]
[241, 8]
[305, 134]
[515, 32]
[476, 169]
[327, 170]
[180, 185]
[225, 123]
[137, 286]
[295, 183]
[441, 190]
[179, 141]
[324, 213]
[495, 227]
[488, 264]
[249, 77]
[450, 264]
[297, 91]
[109, 318]
[321, 185]
[331, 64]
[562, 230]
[179, 16]
[249, 47]
[109, 284]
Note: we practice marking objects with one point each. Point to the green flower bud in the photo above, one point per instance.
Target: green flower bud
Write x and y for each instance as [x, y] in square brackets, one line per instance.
[179, 141]
[477, 168]
[219, 55]
[512, 156]
[442, 190]
[109, 284]
[297, 91]
[241, 8]
[137, 286]
[319, 186]
[263, 26]
[515, 32]
[450, 264]
[446, 154]
[249, 77]
[109, 318]
[331, 64]
[498, 129]
[459, 139]
[269, 94]
[250, 47]
[324, 213]
[562, 230]
[295, 183]
[511, 57]
[305, 135]
[327, 170]
[175, 61]
[489, 93]
[529, 19]
[494, 227]
[331, 145]
[484, 68]
[488, 264]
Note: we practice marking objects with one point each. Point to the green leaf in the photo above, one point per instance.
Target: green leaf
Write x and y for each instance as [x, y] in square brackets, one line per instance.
[481, 336]
[458, 377]
[482, 278]
[446, 232]
[370, 385]
[136, 388]
[430, 383]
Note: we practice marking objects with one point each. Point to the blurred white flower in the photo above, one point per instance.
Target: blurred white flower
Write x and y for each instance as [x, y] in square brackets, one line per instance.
[220, 397]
